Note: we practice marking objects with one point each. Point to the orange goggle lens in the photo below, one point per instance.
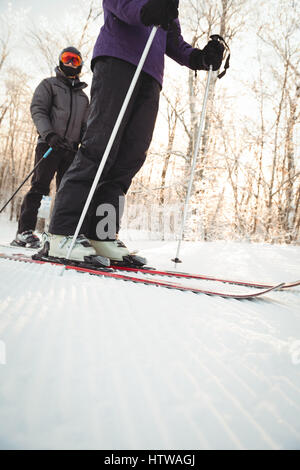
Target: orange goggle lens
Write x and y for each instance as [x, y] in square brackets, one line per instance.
[68, 57]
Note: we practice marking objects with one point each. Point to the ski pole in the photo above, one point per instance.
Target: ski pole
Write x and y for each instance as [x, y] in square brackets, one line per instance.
[226, 58]
[113, 136]
[190, 185]
[27, 177]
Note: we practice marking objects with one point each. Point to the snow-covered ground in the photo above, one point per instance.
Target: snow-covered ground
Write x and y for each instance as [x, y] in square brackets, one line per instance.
[92, 363]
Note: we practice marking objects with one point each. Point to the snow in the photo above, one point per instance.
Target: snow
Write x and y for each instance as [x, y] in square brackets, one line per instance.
[88, 363]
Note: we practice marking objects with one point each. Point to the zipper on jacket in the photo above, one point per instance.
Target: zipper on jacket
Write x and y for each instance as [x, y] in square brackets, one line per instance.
[71, 109]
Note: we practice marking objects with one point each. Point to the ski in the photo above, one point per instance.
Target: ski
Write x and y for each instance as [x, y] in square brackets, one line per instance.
[145, 270]
[182, 275]
[111, 274]
[129, 267]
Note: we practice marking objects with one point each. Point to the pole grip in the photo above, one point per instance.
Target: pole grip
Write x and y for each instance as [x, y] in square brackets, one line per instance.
[48, 152]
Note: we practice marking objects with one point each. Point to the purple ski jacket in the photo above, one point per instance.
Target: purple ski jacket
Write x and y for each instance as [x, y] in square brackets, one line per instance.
[124, 36]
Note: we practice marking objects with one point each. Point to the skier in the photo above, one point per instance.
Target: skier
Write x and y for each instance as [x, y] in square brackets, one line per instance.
[117, 52]
[59, 111]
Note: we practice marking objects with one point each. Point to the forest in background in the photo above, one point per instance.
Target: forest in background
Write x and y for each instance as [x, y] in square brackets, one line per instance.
[247, 182]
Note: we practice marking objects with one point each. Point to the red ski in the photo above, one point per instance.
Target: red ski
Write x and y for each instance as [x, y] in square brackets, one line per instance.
[183, 275]
[110, 274]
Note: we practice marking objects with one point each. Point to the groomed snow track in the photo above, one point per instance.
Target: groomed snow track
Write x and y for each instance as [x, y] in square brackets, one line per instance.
[110, 365]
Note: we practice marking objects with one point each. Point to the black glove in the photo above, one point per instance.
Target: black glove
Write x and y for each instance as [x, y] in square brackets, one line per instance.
[159, 13]
[212, 54]
[55, 141]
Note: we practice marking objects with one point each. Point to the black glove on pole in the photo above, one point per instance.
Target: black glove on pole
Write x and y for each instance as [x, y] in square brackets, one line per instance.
[55, 141]
[159, 13]
[211, 55]
[27, 177]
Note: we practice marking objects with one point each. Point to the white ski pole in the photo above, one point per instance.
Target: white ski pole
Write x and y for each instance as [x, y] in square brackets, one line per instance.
[112, 137]
[196, 151]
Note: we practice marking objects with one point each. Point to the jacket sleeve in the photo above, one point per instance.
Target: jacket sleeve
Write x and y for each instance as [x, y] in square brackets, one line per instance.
[84, 122]
[126, 10]
[41, 108]
[177, 49]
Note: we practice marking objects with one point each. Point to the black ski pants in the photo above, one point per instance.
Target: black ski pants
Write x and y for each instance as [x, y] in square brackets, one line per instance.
[111, 80]
[57, 162]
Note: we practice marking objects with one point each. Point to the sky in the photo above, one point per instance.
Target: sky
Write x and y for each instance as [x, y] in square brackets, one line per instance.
[38, 7]
[38, 13]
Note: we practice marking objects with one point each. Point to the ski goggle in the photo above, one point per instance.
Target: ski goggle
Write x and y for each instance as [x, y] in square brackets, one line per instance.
[68, 57]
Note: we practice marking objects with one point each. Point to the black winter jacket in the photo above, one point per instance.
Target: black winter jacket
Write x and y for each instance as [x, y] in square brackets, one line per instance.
[60, 105]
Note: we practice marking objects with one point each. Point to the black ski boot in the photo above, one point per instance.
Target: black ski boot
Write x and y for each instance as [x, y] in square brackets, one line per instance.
[26, 239]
